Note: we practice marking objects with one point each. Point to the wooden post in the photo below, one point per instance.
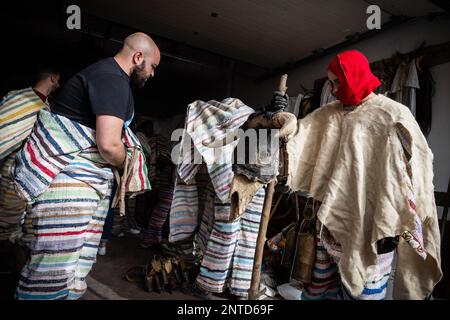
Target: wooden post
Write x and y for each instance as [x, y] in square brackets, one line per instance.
[253, 292]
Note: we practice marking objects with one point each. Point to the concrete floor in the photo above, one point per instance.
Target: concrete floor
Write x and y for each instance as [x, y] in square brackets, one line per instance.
[106, 280]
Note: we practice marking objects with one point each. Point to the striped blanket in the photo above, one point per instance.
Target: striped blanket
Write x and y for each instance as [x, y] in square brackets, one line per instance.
[229, 247]
[134, 179]
[326, 282]
[52, 148]
[205, 122]
[201, 207]
[18, 112]
[61, 173]
[66, 227]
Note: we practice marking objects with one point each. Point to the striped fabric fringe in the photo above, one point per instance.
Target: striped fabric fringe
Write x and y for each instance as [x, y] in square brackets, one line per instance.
[137, 181]
[413, 237]
[18, 112]
[134, 179]
[230, 249]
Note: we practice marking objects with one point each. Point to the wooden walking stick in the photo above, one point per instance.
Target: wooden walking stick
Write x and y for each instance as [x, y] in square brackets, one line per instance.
[254, 293]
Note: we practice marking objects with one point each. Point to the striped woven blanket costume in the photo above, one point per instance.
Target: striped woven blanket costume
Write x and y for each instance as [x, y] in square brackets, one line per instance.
[326, 283]
[205, 122]
[228, 248]
[61, 173]
[18, 112]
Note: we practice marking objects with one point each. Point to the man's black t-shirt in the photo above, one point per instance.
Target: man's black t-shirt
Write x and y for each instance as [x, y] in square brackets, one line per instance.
[101, 88]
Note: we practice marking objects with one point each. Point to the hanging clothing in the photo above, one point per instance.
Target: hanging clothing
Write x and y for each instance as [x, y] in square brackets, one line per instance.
[327, 96]
[368, 200]
[405, 85]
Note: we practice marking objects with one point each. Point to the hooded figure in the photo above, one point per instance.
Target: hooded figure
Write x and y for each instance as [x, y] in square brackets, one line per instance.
[356, 79]
[365, 160]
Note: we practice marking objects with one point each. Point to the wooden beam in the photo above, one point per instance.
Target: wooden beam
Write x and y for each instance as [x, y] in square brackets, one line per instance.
[435, 55]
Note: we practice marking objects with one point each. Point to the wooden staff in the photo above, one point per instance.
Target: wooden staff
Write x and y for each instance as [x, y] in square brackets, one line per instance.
[254, 293]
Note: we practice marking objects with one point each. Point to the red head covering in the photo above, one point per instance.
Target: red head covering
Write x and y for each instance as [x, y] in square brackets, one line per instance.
[357, 80]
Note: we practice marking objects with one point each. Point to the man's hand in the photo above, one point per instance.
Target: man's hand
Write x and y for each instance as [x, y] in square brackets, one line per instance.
[109, 139]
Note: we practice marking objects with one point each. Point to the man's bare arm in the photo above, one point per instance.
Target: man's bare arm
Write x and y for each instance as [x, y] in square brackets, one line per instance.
[109, 142]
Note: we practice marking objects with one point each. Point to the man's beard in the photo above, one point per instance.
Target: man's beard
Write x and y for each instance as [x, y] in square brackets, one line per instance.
[138, 77]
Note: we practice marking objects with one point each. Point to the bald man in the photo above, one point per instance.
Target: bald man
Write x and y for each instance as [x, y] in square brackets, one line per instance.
[66, 169]
[100, 96]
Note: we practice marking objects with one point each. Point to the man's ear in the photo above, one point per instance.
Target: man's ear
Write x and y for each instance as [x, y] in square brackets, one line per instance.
[54, 78]
[138, 57]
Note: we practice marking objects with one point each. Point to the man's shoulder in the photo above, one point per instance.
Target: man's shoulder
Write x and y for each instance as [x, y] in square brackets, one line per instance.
[14, 94]
[103, 69]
